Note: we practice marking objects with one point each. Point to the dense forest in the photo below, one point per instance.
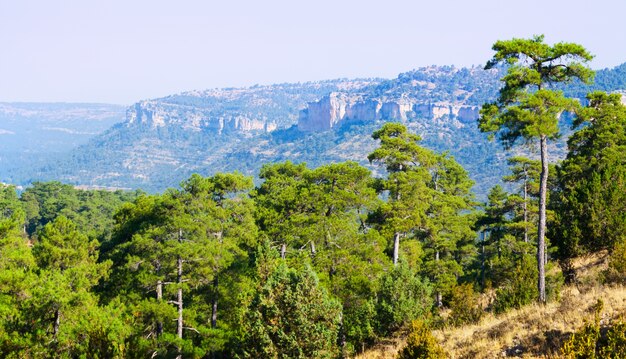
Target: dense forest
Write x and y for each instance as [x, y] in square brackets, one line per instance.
[320, 262]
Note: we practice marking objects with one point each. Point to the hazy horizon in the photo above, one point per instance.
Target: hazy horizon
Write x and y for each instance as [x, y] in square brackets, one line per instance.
[121, 52]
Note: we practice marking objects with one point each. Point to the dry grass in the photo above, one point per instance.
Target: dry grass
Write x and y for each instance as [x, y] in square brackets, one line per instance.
[386, 350]
[533, 331]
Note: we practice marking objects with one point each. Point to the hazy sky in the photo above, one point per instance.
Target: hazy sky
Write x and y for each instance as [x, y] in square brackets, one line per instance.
[118, 51]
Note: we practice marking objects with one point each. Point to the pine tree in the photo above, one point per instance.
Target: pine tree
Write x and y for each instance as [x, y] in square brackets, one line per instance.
[291, 316]
[590, 200]
[526, 107]
[68, 269]
[408, 166]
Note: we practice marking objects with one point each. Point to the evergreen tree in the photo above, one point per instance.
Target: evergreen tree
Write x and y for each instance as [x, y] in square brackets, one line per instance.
[17, 276]
[590, 199]
[526, 107]
[281, 212]
[318, 217]
[403, 297]
[525, 172]
[447, 233]
[408, 166]
[291, 316]
[174, 250]
[62, 298]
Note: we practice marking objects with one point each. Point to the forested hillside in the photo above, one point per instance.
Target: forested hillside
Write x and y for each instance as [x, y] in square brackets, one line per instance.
[338, 257]
[313, 262]
[164, 141]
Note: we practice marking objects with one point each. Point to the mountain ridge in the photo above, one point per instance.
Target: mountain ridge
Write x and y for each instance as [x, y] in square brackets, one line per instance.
[162, 141]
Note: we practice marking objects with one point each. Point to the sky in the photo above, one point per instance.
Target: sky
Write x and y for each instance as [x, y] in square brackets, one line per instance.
[123, 51]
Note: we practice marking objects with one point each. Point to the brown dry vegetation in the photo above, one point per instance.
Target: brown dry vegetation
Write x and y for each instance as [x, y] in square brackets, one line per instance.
[533, 331]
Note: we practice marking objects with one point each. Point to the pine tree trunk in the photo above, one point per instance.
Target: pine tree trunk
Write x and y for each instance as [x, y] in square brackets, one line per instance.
[396, 248]
[57, 322]
[283, 250]
[438, 295]
[214, 303]
[179, 320]
[342, 338]
[483, 259]
[542, 221]
[525, 211]
[159, 297]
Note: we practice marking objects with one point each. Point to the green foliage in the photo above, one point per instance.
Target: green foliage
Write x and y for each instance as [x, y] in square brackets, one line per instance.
[583, 343]
[91, 211]
[403, 297]
[614, 344]
[17, 276]
[533, 65]
[526, 108]
[616, 271]
[291, 316]
[421, 344]
[316, 216]
[185, 247]
[429, 200]
[519, 285]
[502, 244]
[519, 288]
[464, 305]
[590, 200]
[591, 341]
[62, 312]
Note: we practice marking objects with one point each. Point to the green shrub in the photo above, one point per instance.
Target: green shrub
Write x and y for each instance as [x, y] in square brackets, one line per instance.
[291, 316]
[616, 273]
[582, 344]
[403, 297]
[614, 345]
[520, 289]
[421, 344]
[588, 342]
[464, 305]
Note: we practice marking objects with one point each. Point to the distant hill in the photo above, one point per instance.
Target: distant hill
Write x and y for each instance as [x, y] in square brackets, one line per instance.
[162, 141]
[32, 134]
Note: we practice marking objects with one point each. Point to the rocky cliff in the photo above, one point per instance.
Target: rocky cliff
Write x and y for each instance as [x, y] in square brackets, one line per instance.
[164, 140]
[434, 93]
[256, 109]
[340, 108]
[155, 114]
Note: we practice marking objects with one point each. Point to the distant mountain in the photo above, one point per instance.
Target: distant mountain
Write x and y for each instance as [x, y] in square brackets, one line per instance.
[33, 134]
[162, 141]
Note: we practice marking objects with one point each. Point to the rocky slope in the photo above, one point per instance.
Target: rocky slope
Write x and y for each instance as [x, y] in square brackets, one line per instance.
[163, 141]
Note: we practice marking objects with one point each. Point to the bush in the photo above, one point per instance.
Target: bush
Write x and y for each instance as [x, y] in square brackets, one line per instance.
[589, 342]
[464, 305]
[616, 273]
[403, 297]
[615, 342]
[291, 316]
[582, 344]
[421, 344]
[520, 288]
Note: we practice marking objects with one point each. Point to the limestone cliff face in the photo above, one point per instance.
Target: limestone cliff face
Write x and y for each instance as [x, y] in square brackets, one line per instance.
[339, 108]
[154, 114]
[324, 114]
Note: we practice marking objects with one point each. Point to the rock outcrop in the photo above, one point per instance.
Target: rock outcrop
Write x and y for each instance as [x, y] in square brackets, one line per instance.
[341, 108]
[154, 114]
